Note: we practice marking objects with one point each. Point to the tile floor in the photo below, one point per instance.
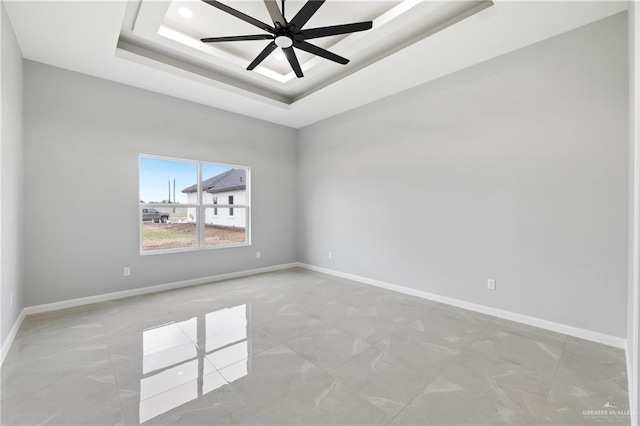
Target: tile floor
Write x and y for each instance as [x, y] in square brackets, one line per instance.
[297, 347]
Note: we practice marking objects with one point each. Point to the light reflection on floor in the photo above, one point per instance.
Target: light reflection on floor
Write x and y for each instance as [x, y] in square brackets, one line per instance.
[176, 371]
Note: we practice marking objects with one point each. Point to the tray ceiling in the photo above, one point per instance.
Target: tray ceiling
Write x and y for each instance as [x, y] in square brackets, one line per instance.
[154, 45]
[174, 29]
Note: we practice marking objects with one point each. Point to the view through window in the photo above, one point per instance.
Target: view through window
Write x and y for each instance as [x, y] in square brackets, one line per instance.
[182, 204]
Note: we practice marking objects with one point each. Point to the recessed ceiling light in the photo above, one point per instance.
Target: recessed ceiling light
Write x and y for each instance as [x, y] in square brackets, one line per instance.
[185, 12]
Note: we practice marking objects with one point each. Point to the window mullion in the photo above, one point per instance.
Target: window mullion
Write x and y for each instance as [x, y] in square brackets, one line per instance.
[200, 210]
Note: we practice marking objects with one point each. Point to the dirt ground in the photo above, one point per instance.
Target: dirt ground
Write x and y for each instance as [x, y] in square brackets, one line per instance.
[161, 236]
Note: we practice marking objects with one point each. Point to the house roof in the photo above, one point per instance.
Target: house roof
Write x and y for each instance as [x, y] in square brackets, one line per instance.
[230, 180]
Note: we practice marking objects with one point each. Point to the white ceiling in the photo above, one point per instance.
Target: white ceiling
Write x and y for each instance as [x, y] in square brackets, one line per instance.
[148, 44]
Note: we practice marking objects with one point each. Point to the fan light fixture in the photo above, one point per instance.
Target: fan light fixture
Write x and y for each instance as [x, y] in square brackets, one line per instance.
[283, 41]
[288, 34]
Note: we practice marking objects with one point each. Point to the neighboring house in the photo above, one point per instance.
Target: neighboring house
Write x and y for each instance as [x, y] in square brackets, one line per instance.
[229, 187]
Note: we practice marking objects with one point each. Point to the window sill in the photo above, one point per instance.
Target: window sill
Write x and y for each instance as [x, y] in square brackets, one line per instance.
[191, 249]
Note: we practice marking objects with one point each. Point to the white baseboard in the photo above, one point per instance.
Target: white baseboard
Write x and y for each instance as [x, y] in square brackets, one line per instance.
[6, 345]
[569, 330]
[614, 341]
[30, 310]
[631, 387]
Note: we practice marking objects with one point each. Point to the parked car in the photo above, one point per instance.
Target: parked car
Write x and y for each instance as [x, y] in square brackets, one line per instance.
[154, 215]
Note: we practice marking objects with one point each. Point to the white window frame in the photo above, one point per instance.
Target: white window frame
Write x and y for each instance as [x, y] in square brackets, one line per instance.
[200, 207]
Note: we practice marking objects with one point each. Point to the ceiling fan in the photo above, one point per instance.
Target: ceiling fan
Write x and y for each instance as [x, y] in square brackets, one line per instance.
[288, 34]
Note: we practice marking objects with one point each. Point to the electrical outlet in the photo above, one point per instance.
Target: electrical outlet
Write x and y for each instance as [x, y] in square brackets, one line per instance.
[491, 284]
[258, 255]
[127, 271]
[329, 255]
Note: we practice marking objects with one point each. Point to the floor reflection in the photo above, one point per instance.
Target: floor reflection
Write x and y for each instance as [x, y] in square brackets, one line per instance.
[179, 359]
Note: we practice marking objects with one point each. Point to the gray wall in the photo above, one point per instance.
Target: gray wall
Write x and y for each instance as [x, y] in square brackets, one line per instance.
[82, 140]
[11, 179]
[515, 169]
[634, 207]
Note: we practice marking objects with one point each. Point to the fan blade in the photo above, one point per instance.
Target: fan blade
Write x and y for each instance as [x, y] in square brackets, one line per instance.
[306, 13]
[274, 12]
[293, 60]
[334, 30]
[262, 56]
[240, 15]
[237, 38]
[308, 47]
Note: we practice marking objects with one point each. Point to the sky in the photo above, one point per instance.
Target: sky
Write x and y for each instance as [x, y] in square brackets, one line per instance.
[155, 175]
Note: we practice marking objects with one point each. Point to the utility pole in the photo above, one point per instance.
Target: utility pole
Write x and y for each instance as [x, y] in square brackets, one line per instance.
[169, 184]
[174, 194]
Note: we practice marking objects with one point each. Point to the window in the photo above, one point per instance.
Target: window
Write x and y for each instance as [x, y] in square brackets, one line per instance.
[179, 205]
